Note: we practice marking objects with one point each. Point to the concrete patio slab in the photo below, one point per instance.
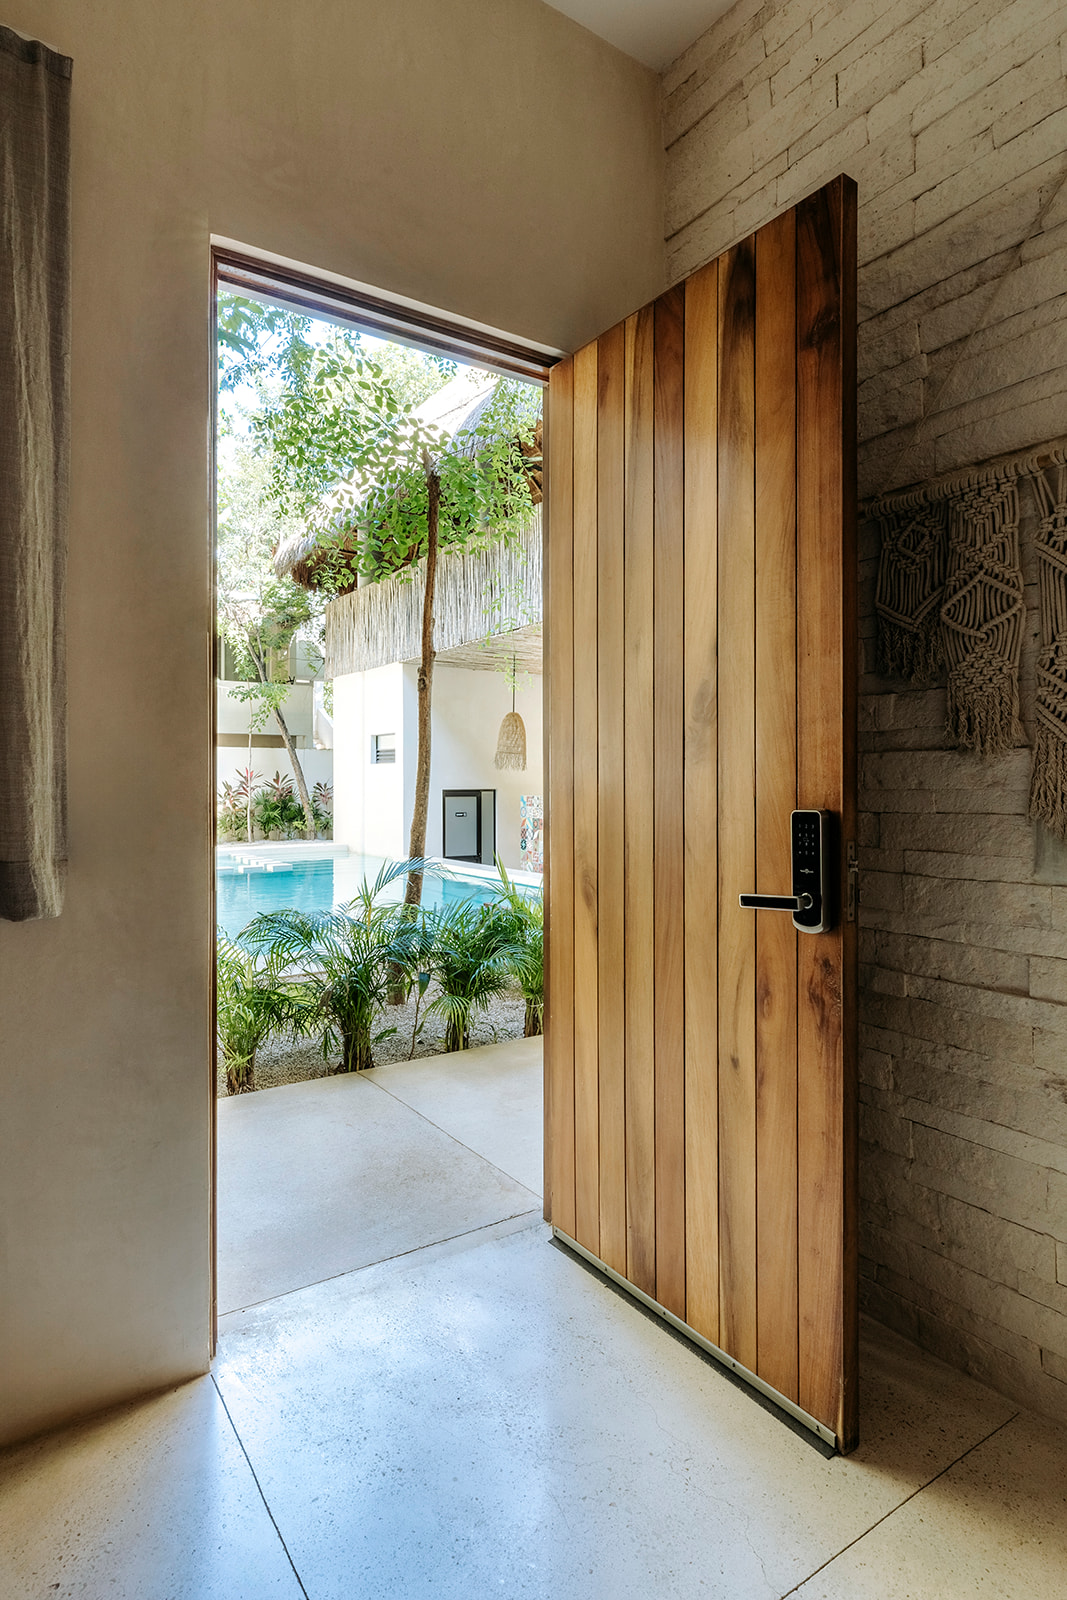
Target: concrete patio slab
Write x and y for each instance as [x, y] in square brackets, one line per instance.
[490, 1099]
[324, 1177]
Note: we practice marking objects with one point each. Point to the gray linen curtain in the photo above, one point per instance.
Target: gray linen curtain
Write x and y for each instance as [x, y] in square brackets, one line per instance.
[34, 447]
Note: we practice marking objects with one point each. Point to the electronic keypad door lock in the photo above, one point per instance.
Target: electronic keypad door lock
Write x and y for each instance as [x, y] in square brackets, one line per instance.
[811, 902]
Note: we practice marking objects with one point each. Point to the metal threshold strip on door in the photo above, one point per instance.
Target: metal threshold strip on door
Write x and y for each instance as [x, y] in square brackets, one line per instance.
[751, 1378]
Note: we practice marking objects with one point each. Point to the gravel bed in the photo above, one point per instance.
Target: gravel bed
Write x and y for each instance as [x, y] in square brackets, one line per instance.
[286, 1060]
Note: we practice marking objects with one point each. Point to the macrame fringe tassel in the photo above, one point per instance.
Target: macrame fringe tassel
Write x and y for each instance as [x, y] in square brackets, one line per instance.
[511, 744]
[914, 653]
[1048, 782]
[1048, 778]
[911, 582]
[985, 717]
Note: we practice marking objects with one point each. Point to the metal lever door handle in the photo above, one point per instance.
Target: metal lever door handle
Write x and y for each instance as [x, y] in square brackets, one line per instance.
[775, 902]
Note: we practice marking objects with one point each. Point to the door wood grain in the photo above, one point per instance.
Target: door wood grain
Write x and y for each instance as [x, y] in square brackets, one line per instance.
[701, 669]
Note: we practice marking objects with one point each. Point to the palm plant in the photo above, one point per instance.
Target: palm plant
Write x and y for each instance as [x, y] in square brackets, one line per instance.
[341, 981]
[412, 973]
[471, 964]
[524, 915]
[528, 970]
[251, 1002]
[341, 962]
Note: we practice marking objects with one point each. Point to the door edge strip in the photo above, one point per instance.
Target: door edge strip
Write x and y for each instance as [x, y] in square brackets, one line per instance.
[788, 1406]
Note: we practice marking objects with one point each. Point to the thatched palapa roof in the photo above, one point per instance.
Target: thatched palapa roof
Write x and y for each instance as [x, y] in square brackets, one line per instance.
[455, 410]
[487, 611]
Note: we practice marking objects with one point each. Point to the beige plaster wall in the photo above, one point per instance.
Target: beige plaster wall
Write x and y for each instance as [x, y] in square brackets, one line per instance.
[485, 156]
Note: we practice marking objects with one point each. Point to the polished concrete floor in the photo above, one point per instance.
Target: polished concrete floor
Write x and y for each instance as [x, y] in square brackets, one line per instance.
[476, 1413]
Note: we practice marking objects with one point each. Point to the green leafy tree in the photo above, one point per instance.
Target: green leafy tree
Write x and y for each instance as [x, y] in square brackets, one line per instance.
[259, 613]
[380, 487]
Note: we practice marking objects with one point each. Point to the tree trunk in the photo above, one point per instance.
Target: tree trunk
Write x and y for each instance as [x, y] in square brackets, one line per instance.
[240, 1073]
[290, 749]
[298, 773]
[248, 785]
[417, 843]
[356, 1053]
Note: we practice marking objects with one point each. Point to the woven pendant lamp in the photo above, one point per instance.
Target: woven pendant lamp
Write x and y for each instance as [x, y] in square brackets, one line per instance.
[511, 740]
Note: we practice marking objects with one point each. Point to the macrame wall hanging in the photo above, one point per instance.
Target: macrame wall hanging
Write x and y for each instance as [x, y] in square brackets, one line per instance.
[911, 581]
[950, 597]
[982, 614]
[1048, 782]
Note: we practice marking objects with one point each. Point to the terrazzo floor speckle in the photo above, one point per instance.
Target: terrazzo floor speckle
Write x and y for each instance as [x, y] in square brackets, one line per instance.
[476, 1413]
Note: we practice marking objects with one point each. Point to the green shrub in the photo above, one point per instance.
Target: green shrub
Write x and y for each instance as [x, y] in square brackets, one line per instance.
[523, 916]
[470, 960]
[275, 808]
[340, 963]
[251, 1003]
[322, 807]
[233, 806]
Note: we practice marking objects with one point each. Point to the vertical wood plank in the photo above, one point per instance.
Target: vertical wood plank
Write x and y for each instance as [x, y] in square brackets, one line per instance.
[844, 209]
[586, 983]
[559, 818]
[639, 809]
[776, 754]
[702, 1131]
[701, 821]
[737, 823]
[669, 713]
[826, 673]
[611, 843]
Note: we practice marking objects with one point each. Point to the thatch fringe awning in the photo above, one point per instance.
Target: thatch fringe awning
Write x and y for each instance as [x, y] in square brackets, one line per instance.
[480, 595]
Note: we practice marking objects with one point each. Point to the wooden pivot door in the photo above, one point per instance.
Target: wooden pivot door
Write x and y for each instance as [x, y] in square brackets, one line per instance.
[701, 670]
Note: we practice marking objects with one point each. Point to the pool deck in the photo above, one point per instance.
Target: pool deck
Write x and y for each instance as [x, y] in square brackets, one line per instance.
[267, 855]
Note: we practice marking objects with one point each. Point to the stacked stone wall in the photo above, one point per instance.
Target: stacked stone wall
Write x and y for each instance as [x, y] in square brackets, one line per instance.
[952, 117]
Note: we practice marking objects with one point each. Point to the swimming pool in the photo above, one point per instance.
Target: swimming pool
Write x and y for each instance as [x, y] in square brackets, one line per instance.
[247, 887]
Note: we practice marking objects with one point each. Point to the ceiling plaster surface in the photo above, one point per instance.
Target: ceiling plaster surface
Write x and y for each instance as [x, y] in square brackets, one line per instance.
[652, 31]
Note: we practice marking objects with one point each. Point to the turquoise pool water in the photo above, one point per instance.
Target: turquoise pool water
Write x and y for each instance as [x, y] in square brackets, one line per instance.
[318, 885]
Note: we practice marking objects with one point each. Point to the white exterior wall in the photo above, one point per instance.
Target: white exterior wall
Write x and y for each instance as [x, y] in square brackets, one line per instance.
[369, 810]
[317, 765]
[468, 709]
[373, 804]
[297, 709]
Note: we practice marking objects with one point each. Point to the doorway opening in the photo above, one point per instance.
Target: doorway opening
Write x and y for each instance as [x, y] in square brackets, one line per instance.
[379, 479]
[468, 827]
